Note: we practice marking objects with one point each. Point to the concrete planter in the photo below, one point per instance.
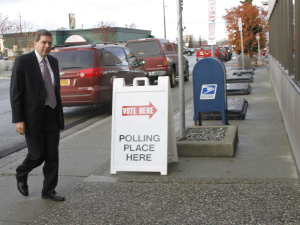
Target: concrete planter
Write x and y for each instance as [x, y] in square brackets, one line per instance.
[224, 148]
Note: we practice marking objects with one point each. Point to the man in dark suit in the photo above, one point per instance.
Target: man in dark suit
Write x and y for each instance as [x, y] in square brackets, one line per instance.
[37, 112]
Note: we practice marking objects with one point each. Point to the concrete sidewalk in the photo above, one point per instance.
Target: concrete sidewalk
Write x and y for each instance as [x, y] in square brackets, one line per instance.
[260, 185]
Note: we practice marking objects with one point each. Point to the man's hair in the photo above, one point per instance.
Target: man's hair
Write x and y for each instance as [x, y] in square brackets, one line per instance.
[40, 33]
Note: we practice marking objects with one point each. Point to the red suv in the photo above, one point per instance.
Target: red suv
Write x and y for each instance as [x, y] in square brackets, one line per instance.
[161, 57]
[87, 71]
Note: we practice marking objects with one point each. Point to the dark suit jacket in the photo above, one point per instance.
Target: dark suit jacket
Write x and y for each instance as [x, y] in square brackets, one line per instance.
[28, 92]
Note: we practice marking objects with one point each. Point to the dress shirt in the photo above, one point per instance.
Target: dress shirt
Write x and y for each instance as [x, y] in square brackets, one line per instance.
[41, 64]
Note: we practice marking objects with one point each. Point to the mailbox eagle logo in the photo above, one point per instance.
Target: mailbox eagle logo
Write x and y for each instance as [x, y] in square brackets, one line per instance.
[208, 91]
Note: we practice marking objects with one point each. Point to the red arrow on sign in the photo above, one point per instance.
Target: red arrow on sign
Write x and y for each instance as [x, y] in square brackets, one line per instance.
[139, 110]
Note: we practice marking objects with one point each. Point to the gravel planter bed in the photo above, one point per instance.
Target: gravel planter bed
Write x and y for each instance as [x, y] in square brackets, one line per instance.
[204, 134]
[210, 141]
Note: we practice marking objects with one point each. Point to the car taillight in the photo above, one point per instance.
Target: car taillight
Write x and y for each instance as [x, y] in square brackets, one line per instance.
[92, 72]
[228, 50]
[165, 63]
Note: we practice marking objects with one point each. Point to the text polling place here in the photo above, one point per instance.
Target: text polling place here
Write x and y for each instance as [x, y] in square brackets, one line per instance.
[140, 127]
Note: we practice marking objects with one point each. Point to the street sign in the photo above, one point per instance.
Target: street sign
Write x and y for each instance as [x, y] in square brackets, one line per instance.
[212, 17]
[240, 24]
[257, 36]
[211, 32]
[143, 131]
[211, 10]
[72, 23]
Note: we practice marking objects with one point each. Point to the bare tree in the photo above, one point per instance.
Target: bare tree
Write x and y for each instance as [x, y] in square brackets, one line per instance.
[11, 32]
[104, 32]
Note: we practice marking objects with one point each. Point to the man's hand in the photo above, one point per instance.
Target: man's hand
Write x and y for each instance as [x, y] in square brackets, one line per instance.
[20, 128]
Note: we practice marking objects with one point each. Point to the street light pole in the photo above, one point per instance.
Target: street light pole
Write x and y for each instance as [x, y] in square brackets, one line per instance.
[20, 22]
[242, 43]
[258, 37]
[180, 70]
[164, 19]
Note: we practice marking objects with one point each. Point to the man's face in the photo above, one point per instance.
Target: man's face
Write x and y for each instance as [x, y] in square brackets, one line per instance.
[43, 46]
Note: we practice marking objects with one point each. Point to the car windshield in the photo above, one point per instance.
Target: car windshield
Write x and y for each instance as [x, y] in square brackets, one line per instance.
[208, 47]
[73, 60]
[144, 48]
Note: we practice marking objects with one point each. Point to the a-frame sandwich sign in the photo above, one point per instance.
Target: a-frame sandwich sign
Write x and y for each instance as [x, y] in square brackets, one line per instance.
[143, 132]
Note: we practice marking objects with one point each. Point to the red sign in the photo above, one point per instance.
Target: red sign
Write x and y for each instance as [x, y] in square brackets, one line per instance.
[139, 110]
[257, 36]
[211, 17]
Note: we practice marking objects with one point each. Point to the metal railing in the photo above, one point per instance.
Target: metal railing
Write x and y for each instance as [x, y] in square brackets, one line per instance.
[284, 42]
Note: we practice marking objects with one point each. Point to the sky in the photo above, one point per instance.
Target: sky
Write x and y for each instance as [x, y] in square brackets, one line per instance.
[145, 14]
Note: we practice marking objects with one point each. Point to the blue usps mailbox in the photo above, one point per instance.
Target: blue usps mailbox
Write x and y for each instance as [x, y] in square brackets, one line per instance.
[209, 83]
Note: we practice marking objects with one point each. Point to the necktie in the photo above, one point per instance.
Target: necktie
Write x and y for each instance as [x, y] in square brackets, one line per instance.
[49, 86]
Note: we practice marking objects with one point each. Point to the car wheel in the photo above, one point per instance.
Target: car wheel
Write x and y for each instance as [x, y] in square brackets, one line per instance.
[187, 74]
[189, 53]
[172, 78]
[108, 107]
[151, 80]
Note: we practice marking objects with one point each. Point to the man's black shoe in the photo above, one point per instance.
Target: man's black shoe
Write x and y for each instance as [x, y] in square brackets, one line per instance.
[22, 186]
[55, 197]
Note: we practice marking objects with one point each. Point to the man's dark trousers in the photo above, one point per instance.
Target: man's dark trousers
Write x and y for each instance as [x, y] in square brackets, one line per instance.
[43, 147]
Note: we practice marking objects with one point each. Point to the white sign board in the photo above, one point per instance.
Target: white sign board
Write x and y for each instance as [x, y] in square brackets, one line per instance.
[240, 24]
[211, 32]
[211, 10]
[75, 39]
[143, 131]
[211, 6]
[72, 23]
[211, 17]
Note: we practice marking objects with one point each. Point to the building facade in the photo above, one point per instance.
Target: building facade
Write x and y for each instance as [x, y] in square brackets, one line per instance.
[20, 43]
[284, 65]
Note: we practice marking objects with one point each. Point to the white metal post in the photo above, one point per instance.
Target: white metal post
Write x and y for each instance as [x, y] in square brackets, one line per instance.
[242, 49]
[258, 42]
[212, 51]
[180, 68]
[242, 44]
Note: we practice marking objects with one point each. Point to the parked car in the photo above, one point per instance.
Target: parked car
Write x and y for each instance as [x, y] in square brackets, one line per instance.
[87, 72]
[188, 51]
[226, 53]
[231, 52]
[3, 58]
[266, 50]
[205, 51]
[161, 57]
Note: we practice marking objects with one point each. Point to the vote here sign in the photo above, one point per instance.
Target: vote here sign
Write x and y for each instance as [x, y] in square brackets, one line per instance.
[140, 127]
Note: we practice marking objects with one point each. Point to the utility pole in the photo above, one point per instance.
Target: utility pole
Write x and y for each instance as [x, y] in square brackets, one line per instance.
[164, 19]
[212, 18]
[200, 41]
[20, 23]
[180, 68]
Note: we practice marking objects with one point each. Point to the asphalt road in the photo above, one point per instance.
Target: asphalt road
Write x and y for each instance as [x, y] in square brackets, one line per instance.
[11, 141]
